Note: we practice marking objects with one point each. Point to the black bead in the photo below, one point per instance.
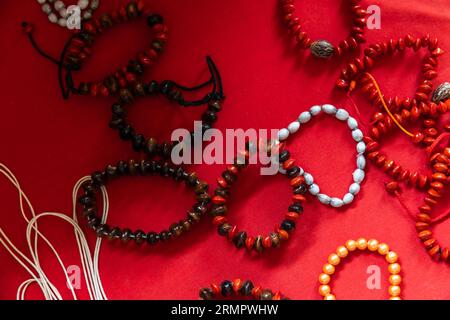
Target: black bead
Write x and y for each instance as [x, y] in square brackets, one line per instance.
[247, 288]
[226, 288]
[284, 155]
[115, 233]
[127, 234]
[239, 239]
[218, 211]
[296, 207]
[206, 294]
[152, 238]
[153, 87]
[135, 67]
[166, 87]
[214, 105]
[301, 189]
[229, 177]
[122, 167]
[138, 142]
[154, 19]
[287, 225]
[118, 110]
[209, 117]
[139, 236]
[86, 200]
[293, 172]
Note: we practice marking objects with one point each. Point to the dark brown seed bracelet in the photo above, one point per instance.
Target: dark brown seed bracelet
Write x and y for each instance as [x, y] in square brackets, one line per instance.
[239, 288]
[172, 91]
[88, 200]
[241, 239]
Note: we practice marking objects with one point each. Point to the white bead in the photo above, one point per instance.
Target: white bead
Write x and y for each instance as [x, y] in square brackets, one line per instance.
[357, 135]
[62, 22]
[361, 147]
[348, 198]
[354, 188]
[308, 178]
[352, 123]
[95, 4]
[315, 110]
[358, 175]
[41, 1]
[281, 170]
[301, 172]
[314, 189]
[304, 117]
[283, 134]
[53, 18]
[87, 15]
[328, 108]
[361, 162]
[342, 114]
[83, 4]
[323, 198]
[336, 202]
[293, 127]
[59, 5]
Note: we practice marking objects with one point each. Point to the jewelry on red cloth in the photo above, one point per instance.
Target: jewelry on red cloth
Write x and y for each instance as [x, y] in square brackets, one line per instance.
[88, 200]
[361, 244]
[241, 239]
[323, 48]
[239, 288]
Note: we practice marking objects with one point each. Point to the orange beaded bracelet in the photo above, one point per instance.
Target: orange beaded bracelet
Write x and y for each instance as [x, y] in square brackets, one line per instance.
[362, 244]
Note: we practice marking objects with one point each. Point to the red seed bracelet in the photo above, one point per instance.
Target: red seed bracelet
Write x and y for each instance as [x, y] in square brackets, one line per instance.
[240, 238]
[323, 48]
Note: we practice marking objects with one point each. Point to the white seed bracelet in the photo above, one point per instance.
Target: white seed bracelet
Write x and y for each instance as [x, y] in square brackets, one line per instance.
[358, 174]
[57, 12]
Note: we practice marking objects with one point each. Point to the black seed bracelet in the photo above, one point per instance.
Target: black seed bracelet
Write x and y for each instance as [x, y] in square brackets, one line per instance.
[241, 239]
[239, 288]
[88, 200]
[172, 91]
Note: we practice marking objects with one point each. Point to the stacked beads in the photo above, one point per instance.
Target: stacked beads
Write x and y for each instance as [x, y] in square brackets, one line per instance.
[88, 200]
[241, 239]
[357, 135]
[58, 14]
[237, 287]
[323, 48]
[79, 49]
[361, 244]
[439, 179]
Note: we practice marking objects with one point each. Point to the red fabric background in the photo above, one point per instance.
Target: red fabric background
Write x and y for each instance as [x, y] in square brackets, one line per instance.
[50, 143]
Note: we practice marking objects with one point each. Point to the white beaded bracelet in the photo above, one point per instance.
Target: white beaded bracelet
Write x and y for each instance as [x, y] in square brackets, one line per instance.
[57, 12]
[358, 174]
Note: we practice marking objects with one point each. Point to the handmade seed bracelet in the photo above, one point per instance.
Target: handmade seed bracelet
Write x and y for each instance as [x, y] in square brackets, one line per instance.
[241, 239]
[358, 174]
[323, 48]
[88, 200]
[237, 287]
[78, 49]
[361, 244]
[170, 89]
[57, 10]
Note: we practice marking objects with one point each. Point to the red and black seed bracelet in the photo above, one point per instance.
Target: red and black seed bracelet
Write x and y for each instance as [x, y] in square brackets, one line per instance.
[88, 200]
[78, 49]
[241, 239]
[239, 288]
[172, 91]
[323, 48]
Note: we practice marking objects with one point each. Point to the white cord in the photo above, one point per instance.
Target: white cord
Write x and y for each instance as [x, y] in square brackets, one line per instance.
[32, 264]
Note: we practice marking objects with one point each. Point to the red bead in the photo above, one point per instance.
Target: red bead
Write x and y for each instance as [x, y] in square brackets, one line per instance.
[267, 242]
[298, 198]
[218, 200]
[218, 220]
[295, 182]
[221, 181]
[249, 243]
[288, 164]
[293, 216]
[216, 289]
[237, 285]
[392, 187]
[418, 137]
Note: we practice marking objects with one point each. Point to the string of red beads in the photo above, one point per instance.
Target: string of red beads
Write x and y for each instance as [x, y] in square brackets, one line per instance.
[352, 42]
[239, 288]
[79, 49]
